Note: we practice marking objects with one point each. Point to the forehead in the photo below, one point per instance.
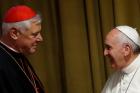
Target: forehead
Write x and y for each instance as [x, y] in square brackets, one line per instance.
[112, 37]
[35, 26]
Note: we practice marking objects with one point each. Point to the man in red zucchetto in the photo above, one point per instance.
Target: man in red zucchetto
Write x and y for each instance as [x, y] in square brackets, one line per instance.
[21, 27]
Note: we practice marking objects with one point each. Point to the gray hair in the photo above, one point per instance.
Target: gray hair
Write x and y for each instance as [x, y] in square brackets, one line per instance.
[22, 25]
[124, 39]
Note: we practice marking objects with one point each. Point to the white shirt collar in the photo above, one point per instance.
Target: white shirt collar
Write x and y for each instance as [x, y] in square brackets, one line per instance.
[131, 67]
[9, 47]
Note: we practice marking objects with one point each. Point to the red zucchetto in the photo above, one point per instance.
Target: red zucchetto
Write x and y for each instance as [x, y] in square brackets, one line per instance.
[19, 13]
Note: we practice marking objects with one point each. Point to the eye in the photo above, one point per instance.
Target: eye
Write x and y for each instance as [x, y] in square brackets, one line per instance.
[35, 34]
[107, 47]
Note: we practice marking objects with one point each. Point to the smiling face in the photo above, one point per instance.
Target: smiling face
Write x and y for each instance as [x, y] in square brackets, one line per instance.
[27, 41]
[114, 50]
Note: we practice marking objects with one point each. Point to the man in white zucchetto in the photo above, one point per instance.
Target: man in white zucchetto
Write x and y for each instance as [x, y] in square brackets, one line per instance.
[122, 47]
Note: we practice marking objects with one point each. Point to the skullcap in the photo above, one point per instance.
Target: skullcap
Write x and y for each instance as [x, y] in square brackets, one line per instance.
[131, 33]
[18, 13]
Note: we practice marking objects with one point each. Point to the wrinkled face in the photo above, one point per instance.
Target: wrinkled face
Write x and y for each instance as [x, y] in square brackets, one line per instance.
[114, 50]
[28, 40]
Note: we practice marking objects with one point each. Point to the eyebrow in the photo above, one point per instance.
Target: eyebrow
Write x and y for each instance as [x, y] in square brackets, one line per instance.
[107, 46]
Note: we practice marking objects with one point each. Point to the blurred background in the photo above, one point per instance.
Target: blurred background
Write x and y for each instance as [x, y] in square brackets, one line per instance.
[70, 60]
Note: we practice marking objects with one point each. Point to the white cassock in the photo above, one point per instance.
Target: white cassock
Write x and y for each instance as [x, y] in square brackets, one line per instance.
[125, 81]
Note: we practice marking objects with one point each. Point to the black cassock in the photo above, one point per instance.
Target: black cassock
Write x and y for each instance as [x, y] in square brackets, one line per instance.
[16, 73]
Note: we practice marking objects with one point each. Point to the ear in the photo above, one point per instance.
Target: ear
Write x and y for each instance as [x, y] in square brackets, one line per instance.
[14, 33]
[127, 49]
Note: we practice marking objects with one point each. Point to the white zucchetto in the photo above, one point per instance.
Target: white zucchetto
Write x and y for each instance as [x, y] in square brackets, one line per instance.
[130, 33]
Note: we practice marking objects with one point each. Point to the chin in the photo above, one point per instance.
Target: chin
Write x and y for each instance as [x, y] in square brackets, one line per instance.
[31, 51]
[113, 66]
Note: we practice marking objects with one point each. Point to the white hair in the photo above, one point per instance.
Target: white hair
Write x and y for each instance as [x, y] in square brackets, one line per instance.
[22, 25]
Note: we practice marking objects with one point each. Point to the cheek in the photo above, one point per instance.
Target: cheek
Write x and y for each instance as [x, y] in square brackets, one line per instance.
[116, 55]
[119, 59]
[29, 41]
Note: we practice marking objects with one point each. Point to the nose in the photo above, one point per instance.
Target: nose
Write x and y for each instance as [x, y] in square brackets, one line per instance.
[39, 37]
[105, 52]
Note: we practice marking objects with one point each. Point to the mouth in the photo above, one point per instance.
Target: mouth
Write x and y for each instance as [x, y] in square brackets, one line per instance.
[112, 62]
[34, 46]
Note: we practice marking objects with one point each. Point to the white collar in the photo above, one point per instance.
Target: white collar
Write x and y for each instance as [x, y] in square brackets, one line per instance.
[9, 47]
[131, 67]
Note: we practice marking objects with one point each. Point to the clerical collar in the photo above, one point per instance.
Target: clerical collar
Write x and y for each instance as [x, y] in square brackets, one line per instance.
[134, 65]
[9, 47]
